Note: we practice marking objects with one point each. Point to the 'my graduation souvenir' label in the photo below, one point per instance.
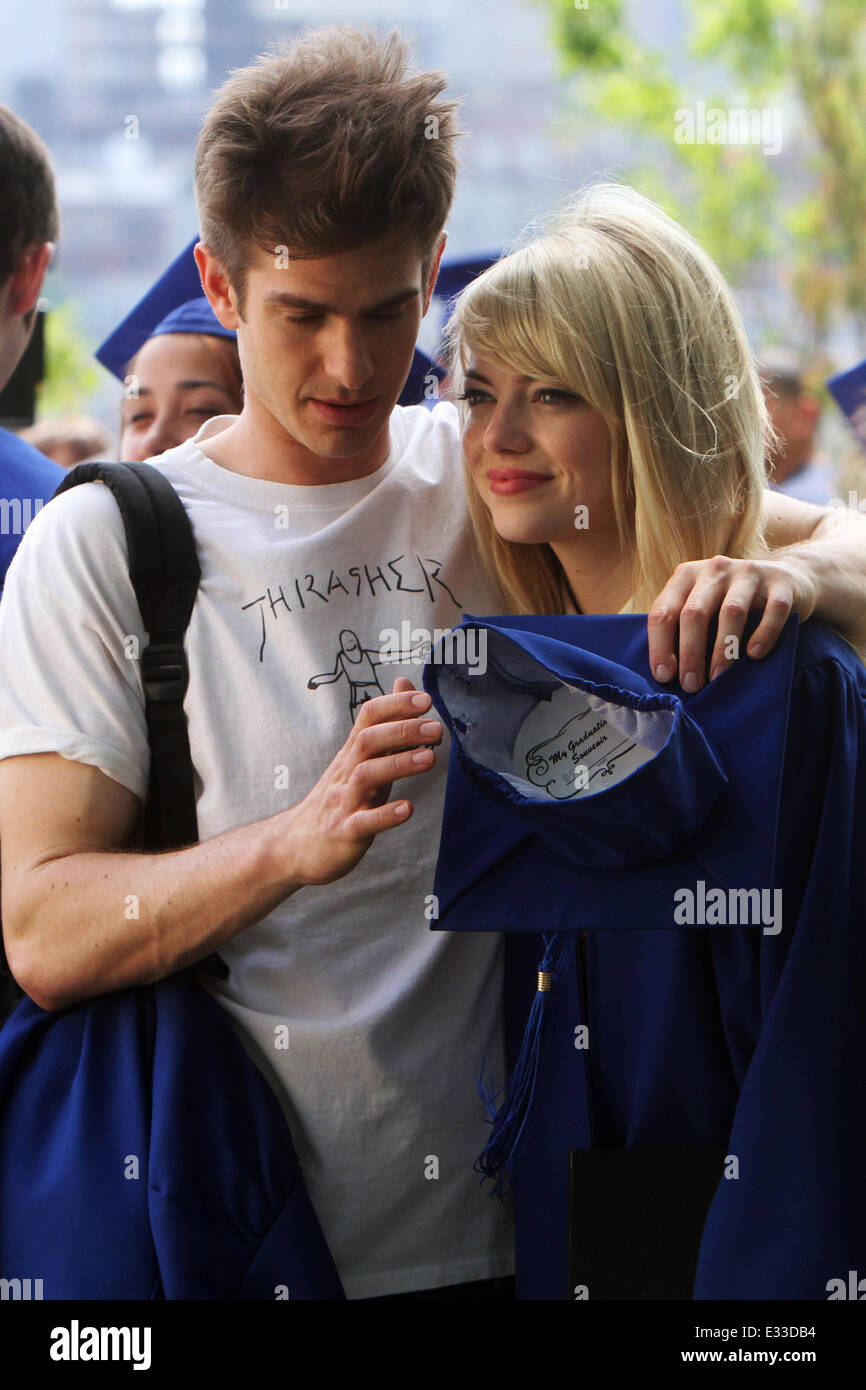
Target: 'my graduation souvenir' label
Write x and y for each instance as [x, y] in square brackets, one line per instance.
[566, 748]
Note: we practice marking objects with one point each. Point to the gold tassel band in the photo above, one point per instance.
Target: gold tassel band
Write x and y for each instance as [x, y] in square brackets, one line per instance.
[544, 978]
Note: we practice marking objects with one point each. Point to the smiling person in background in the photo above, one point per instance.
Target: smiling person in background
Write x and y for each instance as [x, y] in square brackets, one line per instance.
[186, 372]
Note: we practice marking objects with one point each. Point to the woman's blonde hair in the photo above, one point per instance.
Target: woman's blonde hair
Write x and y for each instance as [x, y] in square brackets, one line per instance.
[620, 305]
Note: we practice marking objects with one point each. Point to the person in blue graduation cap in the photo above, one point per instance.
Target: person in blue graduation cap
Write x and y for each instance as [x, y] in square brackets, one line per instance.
[679, 873]
[178, 364]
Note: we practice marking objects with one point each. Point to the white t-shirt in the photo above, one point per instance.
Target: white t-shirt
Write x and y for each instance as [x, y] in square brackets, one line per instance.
[386, 1021]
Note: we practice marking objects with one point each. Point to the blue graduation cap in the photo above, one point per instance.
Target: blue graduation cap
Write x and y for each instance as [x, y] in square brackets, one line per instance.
[542, 740]
[422, 384]
[174, 304]
[454, 276]
[848, 389]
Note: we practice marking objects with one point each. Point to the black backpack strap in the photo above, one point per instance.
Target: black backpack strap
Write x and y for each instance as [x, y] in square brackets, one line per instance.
[164, 570]
[165, 574]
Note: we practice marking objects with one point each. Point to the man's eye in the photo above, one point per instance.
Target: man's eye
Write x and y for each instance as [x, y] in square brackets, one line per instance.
[138, 419]
[305, 318]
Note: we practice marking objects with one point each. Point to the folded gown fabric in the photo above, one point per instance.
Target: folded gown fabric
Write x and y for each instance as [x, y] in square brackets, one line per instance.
[144, 1156]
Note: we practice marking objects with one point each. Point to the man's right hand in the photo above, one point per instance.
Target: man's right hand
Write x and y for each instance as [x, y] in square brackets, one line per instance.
[83, 913]
[334, 826]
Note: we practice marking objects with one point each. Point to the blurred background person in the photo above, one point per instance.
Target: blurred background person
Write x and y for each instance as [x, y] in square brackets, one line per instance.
[186, 371]
[797, 467]
[29, 227]
[68, 439]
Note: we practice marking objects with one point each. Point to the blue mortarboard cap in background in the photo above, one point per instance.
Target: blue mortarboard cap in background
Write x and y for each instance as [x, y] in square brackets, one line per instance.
[174, 304]
[195, 316]
[422, 384]
[848, 389]
[456, 275]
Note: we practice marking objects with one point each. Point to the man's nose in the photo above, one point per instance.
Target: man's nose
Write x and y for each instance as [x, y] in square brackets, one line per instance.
[347, 358]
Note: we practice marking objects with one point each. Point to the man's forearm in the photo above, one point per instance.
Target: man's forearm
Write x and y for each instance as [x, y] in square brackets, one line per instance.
[827, 548]
[834, 561]
[94, 922]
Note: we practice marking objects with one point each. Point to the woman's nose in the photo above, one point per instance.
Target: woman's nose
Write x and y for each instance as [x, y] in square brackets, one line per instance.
[507, 431]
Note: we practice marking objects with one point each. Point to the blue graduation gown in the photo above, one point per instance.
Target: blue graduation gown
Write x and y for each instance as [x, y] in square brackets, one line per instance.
[144, 1156]
[734, 1032]
[28, 479]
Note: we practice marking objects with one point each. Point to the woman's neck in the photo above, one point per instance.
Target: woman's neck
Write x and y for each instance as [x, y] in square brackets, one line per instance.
[599, 583]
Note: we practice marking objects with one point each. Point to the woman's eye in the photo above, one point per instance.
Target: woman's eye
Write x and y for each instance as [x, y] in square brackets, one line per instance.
[555, 397]
[473, 397]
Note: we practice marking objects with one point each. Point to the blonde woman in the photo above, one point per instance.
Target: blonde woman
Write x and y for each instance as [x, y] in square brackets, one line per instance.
[607, 362]
[662, 1084]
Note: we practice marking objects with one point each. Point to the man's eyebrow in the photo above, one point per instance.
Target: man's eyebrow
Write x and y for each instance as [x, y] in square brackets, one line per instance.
[313, 306]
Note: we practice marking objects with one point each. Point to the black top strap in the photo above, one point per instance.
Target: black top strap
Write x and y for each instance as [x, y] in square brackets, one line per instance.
[164, 570]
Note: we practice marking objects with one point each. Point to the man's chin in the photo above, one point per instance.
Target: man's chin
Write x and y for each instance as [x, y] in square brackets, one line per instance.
[344, 441]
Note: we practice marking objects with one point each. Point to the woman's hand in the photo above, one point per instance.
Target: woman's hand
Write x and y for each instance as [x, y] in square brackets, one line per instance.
[699, 589]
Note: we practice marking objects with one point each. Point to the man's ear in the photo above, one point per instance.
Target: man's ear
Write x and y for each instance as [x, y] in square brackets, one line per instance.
[25, 283]
[433, 272]
[216, 286]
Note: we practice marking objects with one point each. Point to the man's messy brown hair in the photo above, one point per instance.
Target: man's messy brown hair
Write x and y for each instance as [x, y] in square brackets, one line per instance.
[322, 146]
[28, 203]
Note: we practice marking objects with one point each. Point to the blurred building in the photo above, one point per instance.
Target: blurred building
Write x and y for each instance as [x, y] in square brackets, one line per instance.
[117, 88]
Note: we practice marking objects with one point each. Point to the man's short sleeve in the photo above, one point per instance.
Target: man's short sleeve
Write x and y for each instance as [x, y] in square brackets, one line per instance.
[70, 640]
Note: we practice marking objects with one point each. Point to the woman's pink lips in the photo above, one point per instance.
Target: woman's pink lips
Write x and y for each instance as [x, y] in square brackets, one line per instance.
[506, 481]
[336, 414]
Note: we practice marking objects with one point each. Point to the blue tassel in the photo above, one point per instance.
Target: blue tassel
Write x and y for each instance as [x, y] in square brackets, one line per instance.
[515, 1100]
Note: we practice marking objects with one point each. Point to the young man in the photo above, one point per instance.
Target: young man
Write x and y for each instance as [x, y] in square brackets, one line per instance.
[326, 520]
[30, 223]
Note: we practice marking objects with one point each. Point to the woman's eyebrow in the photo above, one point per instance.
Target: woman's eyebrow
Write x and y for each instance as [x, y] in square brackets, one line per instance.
[476, 376]
[192, 386]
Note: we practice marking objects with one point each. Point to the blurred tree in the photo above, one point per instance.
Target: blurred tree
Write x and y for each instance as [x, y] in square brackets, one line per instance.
[71, 375]
[797, 217]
